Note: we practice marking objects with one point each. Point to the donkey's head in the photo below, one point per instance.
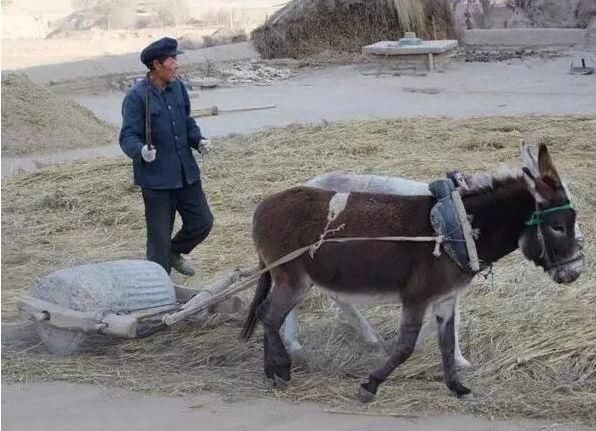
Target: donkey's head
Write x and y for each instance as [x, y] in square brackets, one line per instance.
[550, 239]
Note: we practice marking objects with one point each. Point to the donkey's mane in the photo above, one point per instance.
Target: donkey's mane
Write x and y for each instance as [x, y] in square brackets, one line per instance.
[485, 188]
[486, 182]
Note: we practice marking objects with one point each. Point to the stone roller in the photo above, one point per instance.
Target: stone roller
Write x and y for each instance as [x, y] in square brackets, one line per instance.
[84, 307]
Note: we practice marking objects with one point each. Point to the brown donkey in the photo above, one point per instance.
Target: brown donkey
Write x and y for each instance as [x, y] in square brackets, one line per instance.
[529, 210]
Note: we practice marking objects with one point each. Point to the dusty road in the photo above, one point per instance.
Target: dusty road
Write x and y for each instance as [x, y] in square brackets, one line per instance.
[530, 87]
[66, 407]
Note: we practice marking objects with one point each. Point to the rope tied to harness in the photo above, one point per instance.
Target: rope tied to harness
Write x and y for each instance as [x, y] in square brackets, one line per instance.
[336, 206]
[438, 240]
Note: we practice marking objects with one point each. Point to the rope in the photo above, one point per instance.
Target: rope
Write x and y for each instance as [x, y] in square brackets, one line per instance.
[490, 273]
[215, 298]
[438, 240]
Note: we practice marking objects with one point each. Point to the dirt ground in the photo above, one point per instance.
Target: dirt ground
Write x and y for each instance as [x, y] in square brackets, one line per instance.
[529, 87]
[521, 334]
[67, 407]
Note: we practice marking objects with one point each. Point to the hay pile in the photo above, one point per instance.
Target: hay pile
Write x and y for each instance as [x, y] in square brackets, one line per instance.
[308, 27]
[35, 120]
[533, 342]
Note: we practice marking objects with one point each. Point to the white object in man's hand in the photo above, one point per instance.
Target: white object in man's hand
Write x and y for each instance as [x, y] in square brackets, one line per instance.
[205, 146]
[148, 155]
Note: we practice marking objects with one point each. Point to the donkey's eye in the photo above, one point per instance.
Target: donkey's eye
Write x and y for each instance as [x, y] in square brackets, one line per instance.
[558, 228]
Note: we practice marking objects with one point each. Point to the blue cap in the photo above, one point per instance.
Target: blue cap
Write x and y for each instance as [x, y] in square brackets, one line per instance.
[165, 47]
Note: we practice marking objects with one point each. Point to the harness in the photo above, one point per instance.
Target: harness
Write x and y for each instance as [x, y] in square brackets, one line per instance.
[537, 219]
[449, 219]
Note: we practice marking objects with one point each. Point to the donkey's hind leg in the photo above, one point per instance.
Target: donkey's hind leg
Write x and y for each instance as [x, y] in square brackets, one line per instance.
[411, 321]
[286, 292]
[289, 333]
[429, 327]
[358, 322]
[460, 360]
[445, 313]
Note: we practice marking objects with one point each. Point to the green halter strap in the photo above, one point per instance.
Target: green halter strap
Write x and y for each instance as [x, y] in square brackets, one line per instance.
[537, 216]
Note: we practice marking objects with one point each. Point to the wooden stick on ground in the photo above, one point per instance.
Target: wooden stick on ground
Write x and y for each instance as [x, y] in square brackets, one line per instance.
[214, 110]
[218, 291]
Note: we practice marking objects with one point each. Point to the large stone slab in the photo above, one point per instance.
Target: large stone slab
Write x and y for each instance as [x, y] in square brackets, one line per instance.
[388, 47]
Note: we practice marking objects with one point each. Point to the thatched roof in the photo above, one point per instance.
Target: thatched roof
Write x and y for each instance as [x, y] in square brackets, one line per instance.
[307, 27]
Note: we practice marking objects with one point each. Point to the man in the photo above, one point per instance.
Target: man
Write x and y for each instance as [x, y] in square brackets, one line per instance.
[158, 134]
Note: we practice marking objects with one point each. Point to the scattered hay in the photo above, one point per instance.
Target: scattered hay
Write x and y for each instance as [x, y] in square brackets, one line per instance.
[304, 28]
[34, 120]
[488, 55]
[255, 72]
[533, 342]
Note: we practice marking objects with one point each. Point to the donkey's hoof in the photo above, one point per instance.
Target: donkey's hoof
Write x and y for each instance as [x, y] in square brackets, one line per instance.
[278, 374]
[297, 354]
[461, 362]
[459, 389]
[283, 372]
[279, 383]
[374, 346]
[364, 395]
[466, 397]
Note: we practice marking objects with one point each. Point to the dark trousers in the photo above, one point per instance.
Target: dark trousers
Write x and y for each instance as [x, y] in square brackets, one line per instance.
[160, 212]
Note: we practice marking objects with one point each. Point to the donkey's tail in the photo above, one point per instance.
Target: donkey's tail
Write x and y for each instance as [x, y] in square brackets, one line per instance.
[261, 293]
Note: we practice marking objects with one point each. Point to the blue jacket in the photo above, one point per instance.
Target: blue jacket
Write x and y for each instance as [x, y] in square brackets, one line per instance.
[173, 133]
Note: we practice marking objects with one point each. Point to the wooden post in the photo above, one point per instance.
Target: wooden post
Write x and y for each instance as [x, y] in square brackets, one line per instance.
[467, 231]
[431, 62]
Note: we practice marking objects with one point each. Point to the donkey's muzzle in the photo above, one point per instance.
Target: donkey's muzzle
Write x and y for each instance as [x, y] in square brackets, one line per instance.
[568, 271]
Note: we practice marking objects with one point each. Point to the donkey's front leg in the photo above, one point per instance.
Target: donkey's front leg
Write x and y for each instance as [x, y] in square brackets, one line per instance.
[445, 312]
[411, 321]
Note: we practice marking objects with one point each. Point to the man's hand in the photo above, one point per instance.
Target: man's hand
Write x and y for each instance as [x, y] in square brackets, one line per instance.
[205, 146]
[148, 155]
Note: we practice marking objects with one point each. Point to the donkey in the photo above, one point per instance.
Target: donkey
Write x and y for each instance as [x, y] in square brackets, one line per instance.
[346, 182]
[529, 210]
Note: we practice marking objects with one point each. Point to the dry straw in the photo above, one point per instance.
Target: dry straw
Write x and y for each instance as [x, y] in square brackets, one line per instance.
[410, 15]
[533, 342]
[50, 123]
[304, 28]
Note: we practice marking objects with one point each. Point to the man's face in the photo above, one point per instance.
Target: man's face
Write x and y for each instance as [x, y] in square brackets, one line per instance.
[166, 70]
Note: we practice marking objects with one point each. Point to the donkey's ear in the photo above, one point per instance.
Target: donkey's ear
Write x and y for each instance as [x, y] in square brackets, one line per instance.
[547, 168]
[533, 184]
[528, 159]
